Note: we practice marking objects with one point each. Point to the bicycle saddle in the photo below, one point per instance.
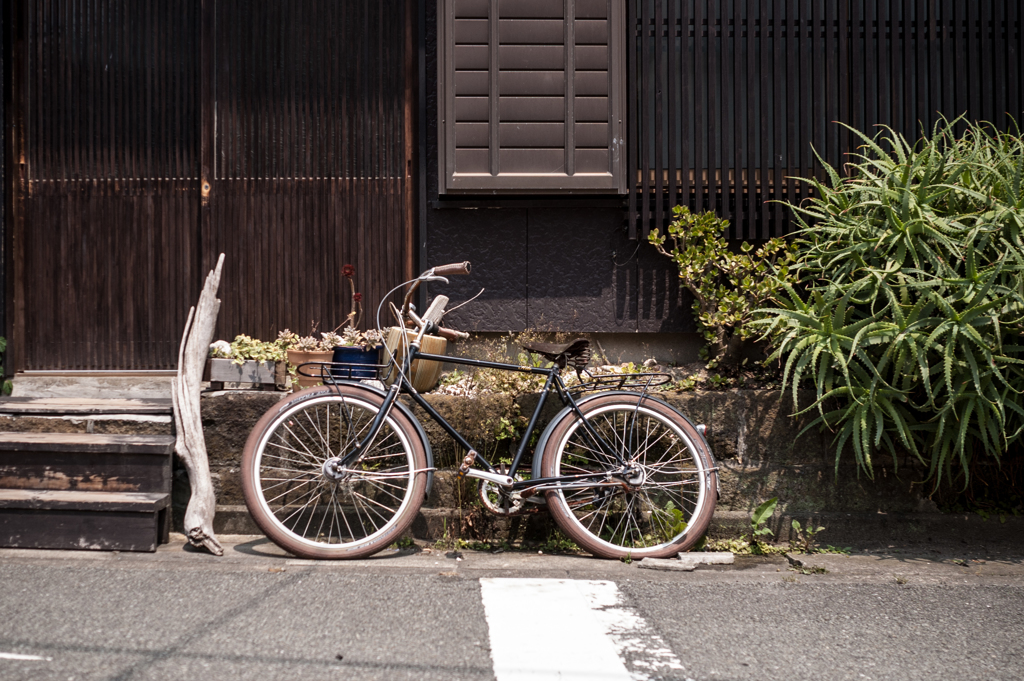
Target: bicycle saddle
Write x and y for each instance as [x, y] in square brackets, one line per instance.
[576, 353]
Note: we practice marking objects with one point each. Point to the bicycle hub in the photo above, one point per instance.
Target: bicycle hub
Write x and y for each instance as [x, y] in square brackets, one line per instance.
[332, 469]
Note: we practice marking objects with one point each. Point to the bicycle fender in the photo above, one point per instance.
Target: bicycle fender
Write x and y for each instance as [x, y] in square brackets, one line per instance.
[542, 442]
[406, 411]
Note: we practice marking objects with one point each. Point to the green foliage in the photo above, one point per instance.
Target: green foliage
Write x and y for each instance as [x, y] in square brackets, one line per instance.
[738, 546]
[727, 287]
[689, 383]
[908, 319]
[506, 429]
[719, 381]
[671, 521]
[8, 385]
[759, 528]
[839, 550]
[404, 543]
[247, 348]
[559, 543]
[805, 538]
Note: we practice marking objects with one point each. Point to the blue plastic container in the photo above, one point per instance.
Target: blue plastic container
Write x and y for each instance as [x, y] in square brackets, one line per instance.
[362, 363]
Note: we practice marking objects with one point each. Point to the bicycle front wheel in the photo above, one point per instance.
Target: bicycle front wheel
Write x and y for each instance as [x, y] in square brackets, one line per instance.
[663, 506]
[313, 514]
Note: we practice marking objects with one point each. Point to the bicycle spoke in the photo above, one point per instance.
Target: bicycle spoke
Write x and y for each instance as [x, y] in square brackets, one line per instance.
[663, 485]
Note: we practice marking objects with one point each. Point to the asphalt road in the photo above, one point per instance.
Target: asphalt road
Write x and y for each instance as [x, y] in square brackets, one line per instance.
[256, 614]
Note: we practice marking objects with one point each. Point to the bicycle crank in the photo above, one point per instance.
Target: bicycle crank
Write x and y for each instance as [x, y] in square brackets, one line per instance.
[500, 500]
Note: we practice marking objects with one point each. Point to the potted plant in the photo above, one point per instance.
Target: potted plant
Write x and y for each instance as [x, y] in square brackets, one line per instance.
[345, 345]
[303, 349]
[352, 346]
[246, 360]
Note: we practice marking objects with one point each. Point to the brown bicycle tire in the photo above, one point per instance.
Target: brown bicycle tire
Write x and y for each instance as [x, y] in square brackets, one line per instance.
[397, 425]
[696, 450]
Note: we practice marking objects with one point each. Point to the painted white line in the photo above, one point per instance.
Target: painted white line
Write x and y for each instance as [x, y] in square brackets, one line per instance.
[16, 656]
[569, 629]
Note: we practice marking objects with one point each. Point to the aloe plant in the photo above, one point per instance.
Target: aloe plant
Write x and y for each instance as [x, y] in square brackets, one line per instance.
[907, 319]
[727, 287]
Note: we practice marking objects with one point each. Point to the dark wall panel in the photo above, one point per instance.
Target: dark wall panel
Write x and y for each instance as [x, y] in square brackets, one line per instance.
[581, 275]
[495, 241]
[664, 305]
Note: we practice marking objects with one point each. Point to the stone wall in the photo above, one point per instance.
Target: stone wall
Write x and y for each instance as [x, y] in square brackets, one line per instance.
[751, 433]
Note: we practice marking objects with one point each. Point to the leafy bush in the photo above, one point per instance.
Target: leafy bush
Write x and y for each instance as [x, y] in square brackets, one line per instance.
[6, 385]
[908, 319]
[727, 287]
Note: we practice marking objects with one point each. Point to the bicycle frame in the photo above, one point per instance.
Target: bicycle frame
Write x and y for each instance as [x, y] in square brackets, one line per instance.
[553, 383]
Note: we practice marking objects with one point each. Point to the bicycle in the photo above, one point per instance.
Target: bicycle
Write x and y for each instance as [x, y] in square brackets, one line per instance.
[340, 471]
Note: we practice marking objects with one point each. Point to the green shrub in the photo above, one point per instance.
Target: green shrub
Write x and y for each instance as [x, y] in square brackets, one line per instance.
[6, 385]
[907, 320]
[727, 287]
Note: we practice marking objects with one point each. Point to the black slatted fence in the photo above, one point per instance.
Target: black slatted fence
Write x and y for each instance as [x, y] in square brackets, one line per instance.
[728, 99]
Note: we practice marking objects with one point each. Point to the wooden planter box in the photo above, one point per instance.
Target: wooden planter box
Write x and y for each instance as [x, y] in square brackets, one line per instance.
[221, 371]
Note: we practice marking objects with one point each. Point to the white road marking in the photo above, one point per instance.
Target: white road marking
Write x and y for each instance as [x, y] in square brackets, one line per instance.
[16, 656]
[569, 629]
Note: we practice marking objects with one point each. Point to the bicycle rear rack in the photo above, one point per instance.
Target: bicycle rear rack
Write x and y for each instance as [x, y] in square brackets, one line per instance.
[641, 382]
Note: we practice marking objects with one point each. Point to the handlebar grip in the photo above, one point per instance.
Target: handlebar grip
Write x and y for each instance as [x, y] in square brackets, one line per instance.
[453, 268]
[452, 334]
[436, 310]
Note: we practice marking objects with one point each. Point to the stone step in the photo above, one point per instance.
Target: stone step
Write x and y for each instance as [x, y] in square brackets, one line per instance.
[86, 462]
[94, 384]
[74, 519]
[82, 407]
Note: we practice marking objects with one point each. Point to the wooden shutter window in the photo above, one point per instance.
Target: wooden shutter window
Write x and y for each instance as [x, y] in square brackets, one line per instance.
[530, 96]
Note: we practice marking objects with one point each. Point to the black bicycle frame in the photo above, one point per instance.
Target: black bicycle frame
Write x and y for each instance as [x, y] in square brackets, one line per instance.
[554, 380]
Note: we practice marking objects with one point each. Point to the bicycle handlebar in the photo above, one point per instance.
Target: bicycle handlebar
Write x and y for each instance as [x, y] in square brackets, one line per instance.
[453, 268]
[452, 334]
[436, 310]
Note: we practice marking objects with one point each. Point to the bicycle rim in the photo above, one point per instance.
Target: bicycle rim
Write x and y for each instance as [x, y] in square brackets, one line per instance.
[310, 513]
[662, 509]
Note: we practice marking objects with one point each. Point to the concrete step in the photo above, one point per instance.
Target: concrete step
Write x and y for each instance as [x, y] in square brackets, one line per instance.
[86, 462]
[73, 519]
[81, 415]
[83, 407]
[94, 384]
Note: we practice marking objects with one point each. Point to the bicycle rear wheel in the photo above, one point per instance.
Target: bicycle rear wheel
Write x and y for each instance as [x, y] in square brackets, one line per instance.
[306, 511]
[664, 506]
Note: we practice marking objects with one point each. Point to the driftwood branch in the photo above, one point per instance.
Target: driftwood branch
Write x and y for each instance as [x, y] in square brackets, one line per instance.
[191, 445]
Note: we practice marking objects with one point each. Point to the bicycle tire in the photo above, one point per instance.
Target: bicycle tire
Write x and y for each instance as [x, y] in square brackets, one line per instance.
[311, 515]
[632, 519]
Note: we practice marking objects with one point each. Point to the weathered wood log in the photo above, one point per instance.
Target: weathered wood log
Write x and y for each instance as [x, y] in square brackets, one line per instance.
[190, 444]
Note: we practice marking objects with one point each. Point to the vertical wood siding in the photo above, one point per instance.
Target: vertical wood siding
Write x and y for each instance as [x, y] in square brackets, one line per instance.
[311, 165]
[110, 244]
[294, 112]
[729, 97]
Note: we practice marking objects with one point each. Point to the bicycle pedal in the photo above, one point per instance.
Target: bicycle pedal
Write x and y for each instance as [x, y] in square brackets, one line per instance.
[467, 463]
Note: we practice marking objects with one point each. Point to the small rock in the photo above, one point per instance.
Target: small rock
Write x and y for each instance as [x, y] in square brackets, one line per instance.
[708, 558]
[667, 564]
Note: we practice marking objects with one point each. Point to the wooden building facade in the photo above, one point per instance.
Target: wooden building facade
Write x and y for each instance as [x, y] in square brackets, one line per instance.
[541, 139]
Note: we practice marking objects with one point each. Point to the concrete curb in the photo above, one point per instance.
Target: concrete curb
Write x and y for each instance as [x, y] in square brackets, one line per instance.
[857, 530]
